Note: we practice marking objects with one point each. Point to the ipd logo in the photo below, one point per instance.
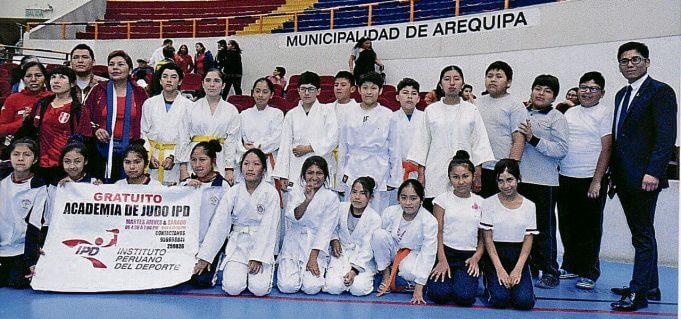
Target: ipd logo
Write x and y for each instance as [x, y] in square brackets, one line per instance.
[86, 249]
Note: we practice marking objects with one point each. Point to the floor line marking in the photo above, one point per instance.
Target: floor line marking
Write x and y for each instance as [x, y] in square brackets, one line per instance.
[402, 303]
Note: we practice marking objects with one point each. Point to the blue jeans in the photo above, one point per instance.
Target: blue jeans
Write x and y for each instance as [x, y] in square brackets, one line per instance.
[520, 296]
[460, 288]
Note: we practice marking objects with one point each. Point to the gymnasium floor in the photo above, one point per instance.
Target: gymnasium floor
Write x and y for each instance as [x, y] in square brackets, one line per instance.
[186, 302]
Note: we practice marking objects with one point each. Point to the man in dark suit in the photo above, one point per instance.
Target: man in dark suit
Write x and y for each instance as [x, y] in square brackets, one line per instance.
[645, 131]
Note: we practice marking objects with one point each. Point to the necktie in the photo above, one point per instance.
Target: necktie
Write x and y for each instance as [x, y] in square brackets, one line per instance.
[625, 106]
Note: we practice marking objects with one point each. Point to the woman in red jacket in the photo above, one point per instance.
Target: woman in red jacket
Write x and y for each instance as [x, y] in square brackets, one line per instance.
[115, 109]
[20, 105]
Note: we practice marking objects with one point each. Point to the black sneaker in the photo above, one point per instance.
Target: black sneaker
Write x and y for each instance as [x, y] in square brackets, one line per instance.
[547, 282]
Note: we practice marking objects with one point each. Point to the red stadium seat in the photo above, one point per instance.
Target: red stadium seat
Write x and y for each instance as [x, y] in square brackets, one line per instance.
[241, 102]
[5, 88]
[191, 82]
[292, 97]
[392, 104]
[101, 70]
[357, 96]
[421, 105]
[280, 103]
[327, 79]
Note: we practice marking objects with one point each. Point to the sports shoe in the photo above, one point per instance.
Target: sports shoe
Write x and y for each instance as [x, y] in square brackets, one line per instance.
[564, 274]
[585, 283]
[547, 282]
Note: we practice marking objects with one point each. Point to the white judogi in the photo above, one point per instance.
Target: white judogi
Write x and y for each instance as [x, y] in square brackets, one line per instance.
[445, 129]
[356, 253]
[312, 231]
[211, 195]
[341, 110]
[254, 220]
[261, 128]
[223, 124]
[369, 146]
[160, 130]
[18, 200]
[124, 181]
[319, 128]
[406, 129]
[419, 235]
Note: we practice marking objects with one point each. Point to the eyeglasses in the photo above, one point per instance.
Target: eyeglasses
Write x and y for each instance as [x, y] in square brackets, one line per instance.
[592, 89]
[635, 60]
[308, 89]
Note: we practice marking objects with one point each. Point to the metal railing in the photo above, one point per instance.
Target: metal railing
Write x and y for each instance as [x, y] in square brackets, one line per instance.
[194, 21]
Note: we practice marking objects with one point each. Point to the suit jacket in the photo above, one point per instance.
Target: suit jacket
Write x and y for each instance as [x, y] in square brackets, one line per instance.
[646, 140]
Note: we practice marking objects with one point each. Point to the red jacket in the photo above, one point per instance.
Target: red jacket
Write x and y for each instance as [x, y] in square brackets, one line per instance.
[16, 105]
[96, 103]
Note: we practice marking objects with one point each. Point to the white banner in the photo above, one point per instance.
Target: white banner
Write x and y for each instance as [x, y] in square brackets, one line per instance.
[112, 238]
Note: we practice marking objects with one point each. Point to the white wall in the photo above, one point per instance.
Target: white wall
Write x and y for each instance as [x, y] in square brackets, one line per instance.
[17, 9]
[565, 39]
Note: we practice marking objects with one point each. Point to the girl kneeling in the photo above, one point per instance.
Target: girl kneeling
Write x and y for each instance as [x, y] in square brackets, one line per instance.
[352, 265]
[251, 210]
[406, 245]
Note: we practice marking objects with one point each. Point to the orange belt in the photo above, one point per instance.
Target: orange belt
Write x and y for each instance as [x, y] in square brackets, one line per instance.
[401, 254]
[277, 183]
[408, 168]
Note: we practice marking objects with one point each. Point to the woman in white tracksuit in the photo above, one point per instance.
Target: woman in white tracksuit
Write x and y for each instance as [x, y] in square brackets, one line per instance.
[251, 210]
[311, 217]
[405, 247]
[352, 266]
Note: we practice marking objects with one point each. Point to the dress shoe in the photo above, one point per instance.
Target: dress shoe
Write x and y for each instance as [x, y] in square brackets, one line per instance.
[630, 302]
[653, 294]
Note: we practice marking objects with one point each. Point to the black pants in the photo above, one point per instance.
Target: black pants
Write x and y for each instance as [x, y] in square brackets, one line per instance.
[581, 225]
[13, 271]
[229, 81]
[489, 183]
[639, 209]
[544, 247]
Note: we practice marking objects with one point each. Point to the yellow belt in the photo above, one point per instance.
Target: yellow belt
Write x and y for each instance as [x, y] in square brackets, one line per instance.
[207, 138]
[161, 155]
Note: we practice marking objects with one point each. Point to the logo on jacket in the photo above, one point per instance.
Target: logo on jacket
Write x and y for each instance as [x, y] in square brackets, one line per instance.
[213, 200]
[64, 117]
[261, 209]
[87, 250]
[26, 204]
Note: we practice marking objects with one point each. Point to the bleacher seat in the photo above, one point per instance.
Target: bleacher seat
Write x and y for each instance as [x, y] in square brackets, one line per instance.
[5, 88]
[280, 103]
[241, 102]
[101, 70]
[191, 82]
[392, 104]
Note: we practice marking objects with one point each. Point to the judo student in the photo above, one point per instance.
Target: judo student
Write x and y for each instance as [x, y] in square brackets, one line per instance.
[24, 196]
[352, 266]
[213, 187]
[459, 243]
[508, 223]
[162, 117]
[311, 217]
[135, 159]
[502, 115]
[251, 210]
[211, 118]
[343, 89]
[309, 129]
[261, 125]
[407, 119]
[448, 125]
[368, 143]
[406, 245]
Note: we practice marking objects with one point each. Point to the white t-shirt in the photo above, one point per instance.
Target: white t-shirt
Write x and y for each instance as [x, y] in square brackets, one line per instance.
[587, 126]
[461, 220]
[509, 225]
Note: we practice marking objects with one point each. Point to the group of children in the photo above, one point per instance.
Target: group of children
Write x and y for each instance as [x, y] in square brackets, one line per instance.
[389, 169]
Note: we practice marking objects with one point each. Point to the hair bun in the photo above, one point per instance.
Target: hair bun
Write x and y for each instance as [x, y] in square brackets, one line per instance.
[462, 155]
[215, 145]
[371, 182]
[138, 141]
[75, 139]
